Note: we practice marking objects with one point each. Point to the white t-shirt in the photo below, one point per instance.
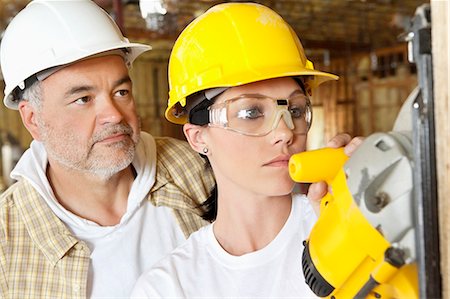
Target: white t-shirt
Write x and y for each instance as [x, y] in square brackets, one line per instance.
[201, 268]
[119, 253]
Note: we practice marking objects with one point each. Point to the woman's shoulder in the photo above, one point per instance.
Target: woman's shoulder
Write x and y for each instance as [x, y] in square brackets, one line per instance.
[187, 253]
[169, 273]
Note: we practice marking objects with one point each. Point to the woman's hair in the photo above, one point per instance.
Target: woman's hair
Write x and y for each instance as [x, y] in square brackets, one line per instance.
[197, 117]
[209, 206]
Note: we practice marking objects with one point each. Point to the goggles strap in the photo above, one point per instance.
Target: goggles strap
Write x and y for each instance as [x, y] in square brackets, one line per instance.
[199, 113]
[214, 92]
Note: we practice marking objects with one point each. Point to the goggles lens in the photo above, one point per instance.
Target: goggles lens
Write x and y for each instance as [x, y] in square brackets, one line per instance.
[257, 115]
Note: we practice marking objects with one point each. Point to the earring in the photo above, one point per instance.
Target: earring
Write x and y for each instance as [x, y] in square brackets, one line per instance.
[205, 150]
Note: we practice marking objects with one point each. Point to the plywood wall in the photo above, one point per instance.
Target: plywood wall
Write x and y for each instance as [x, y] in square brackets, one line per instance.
[368, 95]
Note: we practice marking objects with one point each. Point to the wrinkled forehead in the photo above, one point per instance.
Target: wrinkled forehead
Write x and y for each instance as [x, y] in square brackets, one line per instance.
[41, 76]
[94, 74]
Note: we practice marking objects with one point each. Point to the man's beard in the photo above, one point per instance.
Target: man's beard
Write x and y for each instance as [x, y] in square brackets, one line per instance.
[68, 151]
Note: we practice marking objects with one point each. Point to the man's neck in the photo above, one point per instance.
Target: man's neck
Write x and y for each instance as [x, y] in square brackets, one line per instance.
[103, 201]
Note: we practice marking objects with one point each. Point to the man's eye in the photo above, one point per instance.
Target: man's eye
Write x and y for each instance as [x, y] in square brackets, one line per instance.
[297, 112]
[82, 101]
[252, 113]
[122, 93]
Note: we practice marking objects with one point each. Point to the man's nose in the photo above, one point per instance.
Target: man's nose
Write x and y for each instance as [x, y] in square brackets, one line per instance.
[108, 111]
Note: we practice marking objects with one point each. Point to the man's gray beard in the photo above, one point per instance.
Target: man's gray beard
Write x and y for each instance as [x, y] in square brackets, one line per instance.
[95, 167]
[107, 172]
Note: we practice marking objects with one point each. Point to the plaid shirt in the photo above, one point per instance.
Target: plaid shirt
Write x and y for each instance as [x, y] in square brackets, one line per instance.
[39, 258]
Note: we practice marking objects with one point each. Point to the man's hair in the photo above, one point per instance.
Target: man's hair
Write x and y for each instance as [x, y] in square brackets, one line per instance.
[32, 94]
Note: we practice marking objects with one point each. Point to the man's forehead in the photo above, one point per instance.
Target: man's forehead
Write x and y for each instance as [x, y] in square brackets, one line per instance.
[91, 75]
[105, 57]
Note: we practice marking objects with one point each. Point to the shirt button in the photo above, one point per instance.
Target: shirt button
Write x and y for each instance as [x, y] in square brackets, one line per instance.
[76, 288]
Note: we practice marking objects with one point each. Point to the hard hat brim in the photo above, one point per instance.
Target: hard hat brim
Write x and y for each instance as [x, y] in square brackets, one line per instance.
[135, 49]
[318, 77]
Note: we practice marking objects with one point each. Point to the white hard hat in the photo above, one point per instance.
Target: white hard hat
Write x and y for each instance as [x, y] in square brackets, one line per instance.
[49, 33]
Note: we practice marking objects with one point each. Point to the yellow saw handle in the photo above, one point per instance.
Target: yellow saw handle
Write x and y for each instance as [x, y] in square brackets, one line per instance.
[317, 165]
[345, 256]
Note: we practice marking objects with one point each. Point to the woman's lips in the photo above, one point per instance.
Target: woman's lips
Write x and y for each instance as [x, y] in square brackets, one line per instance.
[280, 161]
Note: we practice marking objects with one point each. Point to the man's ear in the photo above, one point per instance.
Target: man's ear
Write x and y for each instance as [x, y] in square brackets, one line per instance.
[194, 135]
[28, 114]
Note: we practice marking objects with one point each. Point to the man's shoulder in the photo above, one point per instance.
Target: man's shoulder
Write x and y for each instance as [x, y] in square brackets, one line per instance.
[10, 218]
[180, 160]
[8, 197]
[168, 146]
[183, 181]
[161, 140]
[22, 200]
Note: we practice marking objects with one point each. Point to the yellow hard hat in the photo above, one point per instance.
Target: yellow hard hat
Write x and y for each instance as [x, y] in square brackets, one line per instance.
[234, 44]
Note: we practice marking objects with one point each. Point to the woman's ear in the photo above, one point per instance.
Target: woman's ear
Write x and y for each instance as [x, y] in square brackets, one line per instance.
[195, 137]
[28, 114]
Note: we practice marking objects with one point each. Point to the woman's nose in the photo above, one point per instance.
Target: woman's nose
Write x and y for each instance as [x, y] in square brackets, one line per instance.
[282, 132]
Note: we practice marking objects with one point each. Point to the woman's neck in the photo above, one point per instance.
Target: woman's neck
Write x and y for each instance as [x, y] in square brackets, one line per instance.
[244, 225]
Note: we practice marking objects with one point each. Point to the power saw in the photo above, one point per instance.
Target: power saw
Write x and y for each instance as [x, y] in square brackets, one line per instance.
[363, 244]
[377, 235]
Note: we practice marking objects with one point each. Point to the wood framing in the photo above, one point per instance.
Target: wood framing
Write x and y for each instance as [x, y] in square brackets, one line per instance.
[440, 13]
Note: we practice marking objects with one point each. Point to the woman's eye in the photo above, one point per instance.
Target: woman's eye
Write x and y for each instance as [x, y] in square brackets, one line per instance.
[82, 101]
[252, 113]
[297, 112]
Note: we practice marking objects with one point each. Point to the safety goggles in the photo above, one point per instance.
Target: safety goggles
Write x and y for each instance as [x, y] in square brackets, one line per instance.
[257, 115]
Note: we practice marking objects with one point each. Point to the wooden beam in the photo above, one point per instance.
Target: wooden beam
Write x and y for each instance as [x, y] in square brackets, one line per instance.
[142, 33]
[335, 45]
[118, 13]
[440, 30]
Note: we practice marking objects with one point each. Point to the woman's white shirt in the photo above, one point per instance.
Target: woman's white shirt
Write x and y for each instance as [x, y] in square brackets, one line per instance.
[201, 268]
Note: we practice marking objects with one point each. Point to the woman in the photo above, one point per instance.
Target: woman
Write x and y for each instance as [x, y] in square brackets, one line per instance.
[241, 85]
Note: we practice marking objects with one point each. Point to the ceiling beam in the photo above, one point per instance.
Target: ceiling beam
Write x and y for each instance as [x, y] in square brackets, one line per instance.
[335, 45]
[332, 45]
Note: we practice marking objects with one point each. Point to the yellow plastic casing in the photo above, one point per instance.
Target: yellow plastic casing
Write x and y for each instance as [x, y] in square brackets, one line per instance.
[344, 247]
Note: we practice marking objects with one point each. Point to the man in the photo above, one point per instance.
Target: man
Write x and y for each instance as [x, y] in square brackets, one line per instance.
[96, 202]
